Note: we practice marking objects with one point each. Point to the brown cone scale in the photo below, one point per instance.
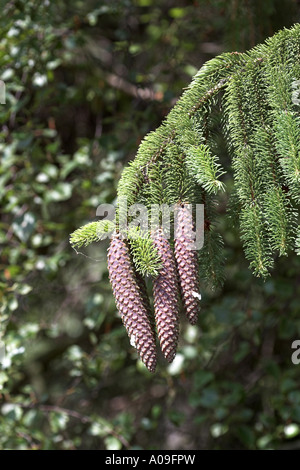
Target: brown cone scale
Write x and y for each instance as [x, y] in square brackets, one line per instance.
[143, 289]
[187, 263]
[166, 293]
[130, 301]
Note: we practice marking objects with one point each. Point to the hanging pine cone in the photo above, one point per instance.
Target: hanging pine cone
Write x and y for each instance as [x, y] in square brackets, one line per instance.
[143, 289]
[166, 293]
[187, 263]
[130, 301]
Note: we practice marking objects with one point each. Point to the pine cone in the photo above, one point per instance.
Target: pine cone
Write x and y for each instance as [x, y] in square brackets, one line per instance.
[187, 263]
[143, 289]
[130, 301]
[166, 297]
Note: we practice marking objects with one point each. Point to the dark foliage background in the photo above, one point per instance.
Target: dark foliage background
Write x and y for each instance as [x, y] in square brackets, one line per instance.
[85, 81]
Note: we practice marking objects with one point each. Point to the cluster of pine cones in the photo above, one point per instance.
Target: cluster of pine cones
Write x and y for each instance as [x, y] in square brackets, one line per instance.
[177, 282]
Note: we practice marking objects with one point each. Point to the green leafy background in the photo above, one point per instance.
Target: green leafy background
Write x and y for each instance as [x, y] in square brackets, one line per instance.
[85, 81]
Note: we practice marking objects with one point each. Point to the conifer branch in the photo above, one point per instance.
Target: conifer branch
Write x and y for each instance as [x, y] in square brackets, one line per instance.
[92, 232]
[253, 99]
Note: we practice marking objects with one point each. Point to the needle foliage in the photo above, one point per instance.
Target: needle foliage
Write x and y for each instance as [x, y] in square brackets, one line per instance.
[253, 98]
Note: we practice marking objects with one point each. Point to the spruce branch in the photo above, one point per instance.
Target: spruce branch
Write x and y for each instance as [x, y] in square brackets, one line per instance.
[92, 232]
[203, 166]
[145, 255]
[281, 221]
[253, 99]
[288, 147]
[256, 244]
